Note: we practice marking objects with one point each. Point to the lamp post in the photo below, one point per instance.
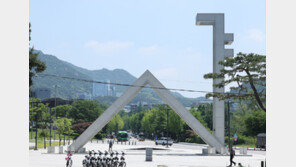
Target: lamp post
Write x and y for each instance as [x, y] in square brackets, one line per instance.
[228, 114]
[36, 126]
[50, 126]
[32, 121]
[55, 104]
[36, 130]
[167, 127]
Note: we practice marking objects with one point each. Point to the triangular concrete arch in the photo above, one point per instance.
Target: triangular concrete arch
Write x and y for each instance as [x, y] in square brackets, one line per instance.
[128, 95]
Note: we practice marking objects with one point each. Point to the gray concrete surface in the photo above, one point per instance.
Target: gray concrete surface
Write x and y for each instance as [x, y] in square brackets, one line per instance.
[179, 155]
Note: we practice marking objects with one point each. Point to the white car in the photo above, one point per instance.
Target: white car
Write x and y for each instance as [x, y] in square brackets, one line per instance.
[163, 141]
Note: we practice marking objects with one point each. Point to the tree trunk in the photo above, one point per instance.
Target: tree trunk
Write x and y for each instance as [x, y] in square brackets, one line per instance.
[255, 91]
[44, 143]
[59, 139]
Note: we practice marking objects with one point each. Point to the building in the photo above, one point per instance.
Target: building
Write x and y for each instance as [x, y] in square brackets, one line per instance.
[41, 93]
[118, 94]
[201, 102]
[59, 101]
[84, 96]
[100, 89]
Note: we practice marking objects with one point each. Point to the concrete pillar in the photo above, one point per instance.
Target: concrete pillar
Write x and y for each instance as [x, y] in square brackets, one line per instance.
[219, 53]
[61, 149]
[149, 152]
[51, 149]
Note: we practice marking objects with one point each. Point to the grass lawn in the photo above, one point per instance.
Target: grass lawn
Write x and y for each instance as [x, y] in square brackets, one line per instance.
[52, 135]
[245, 145]
[40, 143]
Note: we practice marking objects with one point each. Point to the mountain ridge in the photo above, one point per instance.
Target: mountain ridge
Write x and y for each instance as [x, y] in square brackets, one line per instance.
[72, 88]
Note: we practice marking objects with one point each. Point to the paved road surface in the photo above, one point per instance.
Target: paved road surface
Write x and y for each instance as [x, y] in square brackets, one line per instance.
[179, 155]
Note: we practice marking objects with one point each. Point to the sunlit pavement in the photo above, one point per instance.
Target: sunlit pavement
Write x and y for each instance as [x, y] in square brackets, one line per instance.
[180, 154]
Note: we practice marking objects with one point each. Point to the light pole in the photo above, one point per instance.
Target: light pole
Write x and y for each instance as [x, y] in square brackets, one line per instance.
[36, 126]
[50, 126]
[167, 127]
[228, 113]
[36, 130]
[32, 121]
[55, 104]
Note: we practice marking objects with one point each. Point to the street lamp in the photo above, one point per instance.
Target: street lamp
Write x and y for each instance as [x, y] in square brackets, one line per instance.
[167, 126]
[49, 110]
[55, 104]
[32, 122]
[36, 125]
[228, 115]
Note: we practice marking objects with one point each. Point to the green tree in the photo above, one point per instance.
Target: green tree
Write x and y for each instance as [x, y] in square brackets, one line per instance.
[64, 126]
[37, 108]
[248, 71]
[43, 134]
[126, 121]
[148, 122]
[35, 65]
[175, 125]
[135, 122]
[115, 124]
[161, 120]
[206, 111]
[255, 123]
[86, 110]
[63, 110]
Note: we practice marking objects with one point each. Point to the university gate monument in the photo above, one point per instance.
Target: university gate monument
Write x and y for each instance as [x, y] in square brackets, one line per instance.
[215, 140]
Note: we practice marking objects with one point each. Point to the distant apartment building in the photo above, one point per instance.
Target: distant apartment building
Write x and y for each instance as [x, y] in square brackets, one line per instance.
[41, 93]
[84, 96]
[52, 102]
[201, 102]
[100, 89]
[118, 94]
[134, 107]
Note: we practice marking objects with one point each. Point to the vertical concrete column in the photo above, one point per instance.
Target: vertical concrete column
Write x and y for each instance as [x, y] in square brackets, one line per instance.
[219, 53]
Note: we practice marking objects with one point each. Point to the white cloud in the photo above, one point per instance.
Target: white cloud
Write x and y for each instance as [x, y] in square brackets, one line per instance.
[256, 35]
[107, 47]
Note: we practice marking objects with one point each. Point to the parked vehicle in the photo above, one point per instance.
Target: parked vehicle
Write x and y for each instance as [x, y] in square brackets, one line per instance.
[261, 140]
[116, 159]
[91, 160]
[163, 141]
[99, 159]
[122, 160]
[141, 137]
[86, 161]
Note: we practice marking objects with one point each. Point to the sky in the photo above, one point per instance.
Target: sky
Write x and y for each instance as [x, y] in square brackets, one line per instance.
[136, 35]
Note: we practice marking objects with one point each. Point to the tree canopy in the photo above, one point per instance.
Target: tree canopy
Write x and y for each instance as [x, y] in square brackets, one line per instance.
[35, 65]
[248, 71]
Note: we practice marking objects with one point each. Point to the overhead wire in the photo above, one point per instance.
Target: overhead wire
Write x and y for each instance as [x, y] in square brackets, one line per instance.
[123, 84]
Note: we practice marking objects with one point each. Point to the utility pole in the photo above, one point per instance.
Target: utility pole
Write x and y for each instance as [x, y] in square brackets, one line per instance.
[50, 126]
[55, 104]
[228, 113]
[36, 130]
[36, 127]
[32, 121]
[167, 127]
